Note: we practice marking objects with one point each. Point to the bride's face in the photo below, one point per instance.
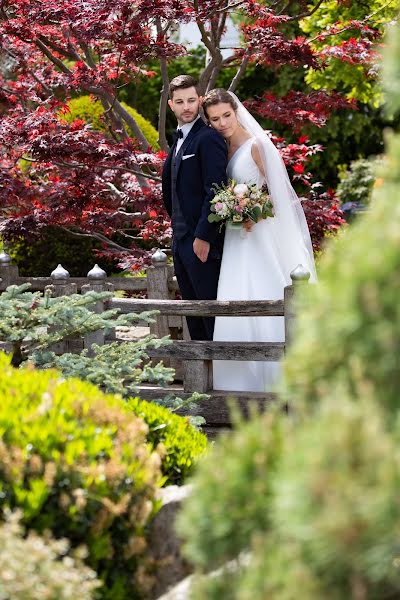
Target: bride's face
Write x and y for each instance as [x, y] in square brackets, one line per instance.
[223, 118]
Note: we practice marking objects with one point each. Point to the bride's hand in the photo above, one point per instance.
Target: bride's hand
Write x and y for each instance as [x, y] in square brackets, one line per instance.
[248, 225]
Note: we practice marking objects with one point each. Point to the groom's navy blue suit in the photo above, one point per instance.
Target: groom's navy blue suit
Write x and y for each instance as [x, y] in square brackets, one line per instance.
[187, 181]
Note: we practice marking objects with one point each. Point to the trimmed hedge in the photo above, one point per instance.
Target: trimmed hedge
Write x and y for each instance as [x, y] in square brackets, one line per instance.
[182, 443]
[37, 256]
[77, 463]
[92, 111]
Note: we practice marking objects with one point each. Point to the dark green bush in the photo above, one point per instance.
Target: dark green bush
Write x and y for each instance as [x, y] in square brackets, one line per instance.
[182, 443]
[37, 256]
[77, 462]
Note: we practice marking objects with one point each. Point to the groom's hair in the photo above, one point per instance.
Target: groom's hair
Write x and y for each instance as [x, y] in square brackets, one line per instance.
[218, 96]
[183, 82]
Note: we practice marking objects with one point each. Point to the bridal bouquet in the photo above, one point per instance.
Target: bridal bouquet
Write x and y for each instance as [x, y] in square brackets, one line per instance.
[239, 202]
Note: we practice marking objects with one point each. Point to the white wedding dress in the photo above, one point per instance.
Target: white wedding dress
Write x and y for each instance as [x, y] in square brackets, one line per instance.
[251, 269]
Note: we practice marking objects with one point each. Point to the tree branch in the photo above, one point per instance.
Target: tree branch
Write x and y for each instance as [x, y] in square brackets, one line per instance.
[240, 72]
[77, 165]
[88, 55]
[72, 54]
[101, 238]
[56, 61]
[302, 15]
[162, 140]
[349, 27]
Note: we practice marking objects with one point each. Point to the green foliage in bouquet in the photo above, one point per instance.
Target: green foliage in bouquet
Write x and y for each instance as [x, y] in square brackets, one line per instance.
[238, 202]
[92, 112]
[182, 444]
[76, 462]
[34, 567]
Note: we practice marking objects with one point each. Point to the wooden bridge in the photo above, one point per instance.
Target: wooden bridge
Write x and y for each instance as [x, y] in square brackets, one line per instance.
[192, 360]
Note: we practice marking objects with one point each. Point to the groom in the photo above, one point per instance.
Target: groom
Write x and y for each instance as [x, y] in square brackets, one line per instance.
[196, 161]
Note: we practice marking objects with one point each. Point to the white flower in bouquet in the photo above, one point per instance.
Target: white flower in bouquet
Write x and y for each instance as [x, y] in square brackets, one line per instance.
[238, 202]
[240, 189]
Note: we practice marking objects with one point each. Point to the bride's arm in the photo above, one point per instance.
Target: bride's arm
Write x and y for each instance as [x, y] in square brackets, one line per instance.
[255, 153]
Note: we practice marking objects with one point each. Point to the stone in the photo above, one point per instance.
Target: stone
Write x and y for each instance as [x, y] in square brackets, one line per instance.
[164, 544]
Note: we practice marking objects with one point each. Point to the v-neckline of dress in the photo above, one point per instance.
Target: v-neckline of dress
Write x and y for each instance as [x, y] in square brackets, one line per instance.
[240, 147]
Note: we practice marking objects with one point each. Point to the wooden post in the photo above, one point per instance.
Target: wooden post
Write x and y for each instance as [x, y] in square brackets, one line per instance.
[8, 271]
[157, 288]
[97, 283]
[197, 376]
[299, 276]
[61, 286]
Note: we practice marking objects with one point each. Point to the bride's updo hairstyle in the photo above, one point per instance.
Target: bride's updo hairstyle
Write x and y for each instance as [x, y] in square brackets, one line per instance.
[218, 96]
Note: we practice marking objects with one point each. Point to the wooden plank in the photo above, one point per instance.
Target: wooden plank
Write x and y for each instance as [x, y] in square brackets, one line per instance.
[6, 347]
[199, 350]
[212, 433]
[216, 409]
[202, 308]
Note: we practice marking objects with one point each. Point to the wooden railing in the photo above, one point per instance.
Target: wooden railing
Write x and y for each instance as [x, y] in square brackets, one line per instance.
[191, 359]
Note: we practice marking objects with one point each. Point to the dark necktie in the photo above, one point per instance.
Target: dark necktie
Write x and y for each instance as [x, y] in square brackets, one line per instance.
[177, 135]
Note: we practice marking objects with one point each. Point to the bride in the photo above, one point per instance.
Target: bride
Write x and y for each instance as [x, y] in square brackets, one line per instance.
[257, 258]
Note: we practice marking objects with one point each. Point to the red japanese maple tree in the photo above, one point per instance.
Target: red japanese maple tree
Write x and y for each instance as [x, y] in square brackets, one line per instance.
[107, 185]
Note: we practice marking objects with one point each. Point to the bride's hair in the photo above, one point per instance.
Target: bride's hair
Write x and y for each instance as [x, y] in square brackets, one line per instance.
[218, 96]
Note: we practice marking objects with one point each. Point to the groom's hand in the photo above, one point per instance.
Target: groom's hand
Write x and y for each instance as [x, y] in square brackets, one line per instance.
[201, 248]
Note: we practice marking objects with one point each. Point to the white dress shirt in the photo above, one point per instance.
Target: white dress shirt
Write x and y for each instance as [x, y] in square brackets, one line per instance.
[185, 130]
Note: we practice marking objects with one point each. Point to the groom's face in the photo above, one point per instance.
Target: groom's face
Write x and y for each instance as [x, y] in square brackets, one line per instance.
[185, 104]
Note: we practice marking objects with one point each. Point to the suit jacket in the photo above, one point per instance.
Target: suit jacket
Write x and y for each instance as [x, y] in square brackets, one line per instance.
[201, 164]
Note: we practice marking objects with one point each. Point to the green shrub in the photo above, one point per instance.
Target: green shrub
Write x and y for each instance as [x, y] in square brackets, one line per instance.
[37, 256]
[34, 567]
[76, 462]
[335, 510]
[222, 512]
[92, 112]
[349, 327]
[328, 512]
[357, 182]
[182, 443]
